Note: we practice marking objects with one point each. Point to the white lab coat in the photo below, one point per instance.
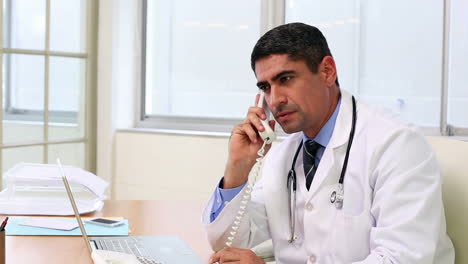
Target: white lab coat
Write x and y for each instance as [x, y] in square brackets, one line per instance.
[392, 211]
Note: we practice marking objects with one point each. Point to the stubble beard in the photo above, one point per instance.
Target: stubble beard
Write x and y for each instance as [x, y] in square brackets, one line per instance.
[295, 124]
[292, 125]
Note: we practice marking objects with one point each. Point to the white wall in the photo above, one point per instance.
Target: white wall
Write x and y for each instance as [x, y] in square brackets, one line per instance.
[163, 166]
[118, 76]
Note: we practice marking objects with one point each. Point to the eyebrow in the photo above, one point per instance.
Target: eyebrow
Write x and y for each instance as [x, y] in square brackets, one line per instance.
[276, 77]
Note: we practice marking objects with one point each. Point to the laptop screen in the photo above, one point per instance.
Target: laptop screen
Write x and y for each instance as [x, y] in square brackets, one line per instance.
[75, 209]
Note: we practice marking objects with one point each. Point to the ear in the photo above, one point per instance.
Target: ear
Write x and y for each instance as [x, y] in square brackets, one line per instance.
[327, 70]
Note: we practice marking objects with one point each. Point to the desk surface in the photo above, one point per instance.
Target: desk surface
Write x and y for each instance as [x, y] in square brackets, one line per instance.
[179, 218]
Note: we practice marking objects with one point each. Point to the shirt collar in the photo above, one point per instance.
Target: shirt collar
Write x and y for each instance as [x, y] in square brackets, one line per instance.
[325, 133]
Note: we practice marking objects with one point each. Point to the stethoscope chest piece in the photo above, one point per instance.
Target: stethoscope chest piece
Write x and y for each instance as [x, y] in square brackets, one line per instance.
[337, 197]
[333, 197]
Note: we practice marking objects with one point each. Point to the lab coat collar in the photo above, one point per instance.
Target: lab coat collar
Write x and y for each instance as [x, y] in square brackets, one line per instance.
[340, 134]
[340, 137]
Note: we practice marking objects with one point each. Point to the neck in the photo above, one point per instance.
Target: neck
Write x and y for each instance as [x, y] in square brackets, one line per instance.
[334, 98]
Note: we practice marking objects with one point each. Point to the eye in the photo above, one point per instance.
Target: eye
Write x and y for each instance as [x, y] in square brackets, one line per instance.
[285, 78]
[264, 87]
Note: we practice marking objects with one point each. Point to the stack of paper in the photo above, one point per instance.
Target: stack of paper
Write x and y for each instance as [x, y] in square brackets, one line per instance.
[37, 189]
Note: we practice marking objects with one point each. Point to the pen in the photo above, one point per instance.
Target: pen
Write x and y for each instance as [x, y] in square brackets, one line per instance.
[4, 223]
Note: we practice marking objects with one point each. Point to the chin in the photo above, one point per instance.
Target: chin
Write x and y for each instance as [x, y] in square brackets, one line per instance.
[290, 129]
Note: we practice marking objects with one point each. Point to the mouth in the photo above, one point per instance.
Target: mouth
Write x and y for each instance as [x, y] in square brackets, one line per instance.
[284, 116]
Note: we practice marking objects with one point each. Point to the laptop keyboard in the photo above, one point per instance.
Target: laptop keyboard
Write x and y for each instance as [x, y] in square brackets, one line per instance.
[129, 246]
[119, 246]
[148, 261]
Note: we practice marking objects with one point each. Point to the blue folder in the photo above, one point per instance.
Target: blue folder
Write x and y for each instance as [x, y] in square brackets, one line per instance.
[15, 229]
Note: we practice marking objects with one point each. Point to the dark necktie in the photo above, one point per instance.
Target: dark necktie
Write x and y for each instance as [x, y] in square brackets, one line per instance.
[309, 154]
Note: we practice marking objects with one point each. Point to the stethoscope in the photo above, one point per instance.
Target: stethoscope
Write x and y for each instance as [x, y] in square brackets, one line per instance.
[336, 196]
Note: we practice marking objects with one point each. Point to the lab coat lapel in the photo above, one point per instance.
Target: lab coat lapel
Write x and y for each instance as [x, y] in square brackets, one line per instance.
[332, 159]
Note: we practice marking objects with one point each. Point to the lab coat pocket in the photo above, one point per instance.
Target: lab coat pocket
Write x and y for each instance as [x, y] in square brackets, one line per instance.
[349, 240]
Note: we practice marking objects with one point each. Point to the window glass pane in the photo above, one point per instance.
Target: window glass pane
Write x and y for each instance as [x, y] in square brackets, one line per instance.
[66, 102]
[458, 65]
[24, 24]
[386, 54]
[68, 25]
[198, 57]
[25, 76]
[23, 97]
[22, 132]
[13, 156]
[69, 154]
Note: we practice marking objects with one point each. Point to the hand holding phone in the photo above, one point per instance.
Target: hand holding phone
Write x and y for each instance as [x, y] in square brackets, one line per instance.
[244, 145]
[268, 135]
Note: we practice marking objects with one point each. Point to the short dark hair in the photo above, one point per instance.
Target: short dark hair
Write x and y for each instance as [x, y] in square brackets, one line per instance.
[298, 40]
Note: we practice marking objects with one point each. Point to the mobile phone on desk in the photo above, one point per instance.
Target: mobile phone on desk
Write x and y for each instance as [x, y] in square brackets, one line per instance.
[105, 222]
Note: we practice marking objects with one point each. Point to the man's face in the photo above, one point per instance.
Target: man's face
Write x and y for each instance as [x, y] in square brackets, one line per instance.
[299, 99]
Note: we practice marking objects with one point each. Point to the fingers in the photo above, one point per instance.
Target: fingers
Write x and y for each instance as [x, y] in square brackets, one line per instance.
[252, 123]
[247, 130]
[254, 116]
[234, 255]
[257, 97]
[225, 255]
[251, 127]
[213, 259]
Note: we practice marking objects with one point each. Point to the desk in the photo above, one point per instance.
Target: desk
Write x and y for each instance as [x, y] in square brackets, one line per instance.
[179, 218]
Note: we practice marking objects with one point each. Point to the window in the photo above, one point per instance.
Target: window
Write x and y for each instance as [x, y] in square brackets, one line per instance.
[397, 58]
[197, 57]
[457, 77]
[47, 54]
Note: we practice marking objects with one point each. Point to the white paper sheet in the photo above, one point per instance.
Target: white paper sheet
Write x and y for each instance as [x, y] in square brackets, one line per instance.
[51, 223]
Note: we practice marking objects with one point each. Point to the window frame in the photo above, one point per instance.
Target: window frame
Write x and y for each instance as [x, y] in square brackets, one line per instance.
[54, 118]
[272, 14]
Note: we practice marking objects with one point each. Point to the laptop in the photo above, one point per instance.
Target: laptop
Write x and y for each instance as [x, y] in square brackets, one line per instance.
[146, 249]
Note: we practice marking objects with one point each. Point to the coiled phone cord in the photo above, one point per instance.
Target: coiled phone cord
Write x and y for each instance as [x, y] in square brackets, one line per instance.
[246, 196]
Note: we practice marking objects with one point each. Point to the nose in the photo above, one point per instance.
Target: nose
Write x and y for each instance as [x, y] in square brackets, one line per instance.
[275, 98]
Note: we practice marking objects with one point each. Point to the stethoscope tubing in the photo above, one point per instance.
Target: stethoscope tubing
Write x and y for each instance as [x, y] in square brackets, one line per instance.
[336, 198]
[350, 142]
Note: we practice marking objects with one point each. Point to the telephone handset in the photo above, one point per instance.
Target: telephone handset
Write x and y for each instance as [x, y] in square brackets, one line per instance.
[268, 136]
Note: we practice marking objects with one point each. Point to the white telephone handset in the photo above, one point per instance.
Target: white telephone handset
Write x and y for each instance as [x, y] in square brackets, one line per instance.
[268, 135]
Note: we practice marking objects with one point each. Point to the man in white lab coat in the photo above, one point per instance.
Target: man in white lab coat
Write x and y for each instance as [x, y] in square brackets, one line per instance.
[392, 210]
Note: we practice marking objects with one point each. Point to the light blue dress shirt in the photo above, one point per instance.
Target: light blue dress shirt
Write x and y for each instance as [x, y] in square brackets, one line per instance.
[221, 196]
